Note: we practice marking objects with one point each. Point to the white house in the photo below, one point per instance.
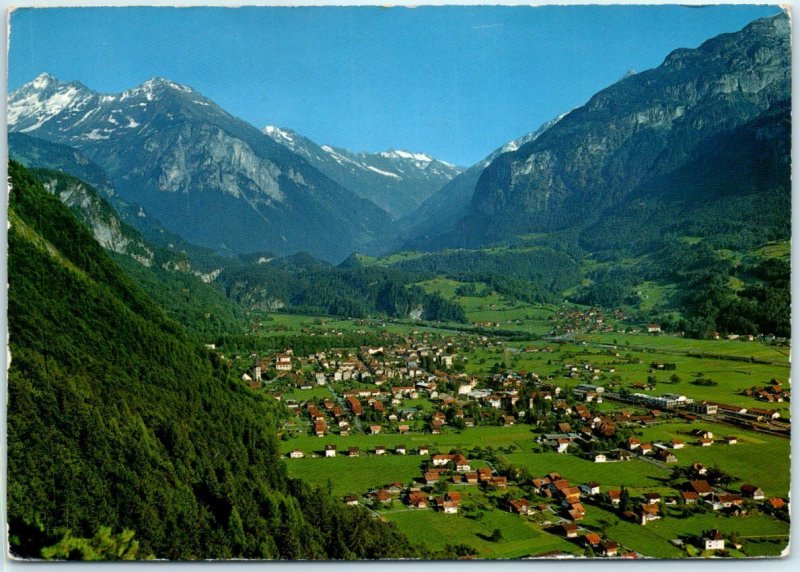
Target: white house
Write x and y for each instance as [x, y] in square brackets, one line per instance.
[283, 362]
[714, 540]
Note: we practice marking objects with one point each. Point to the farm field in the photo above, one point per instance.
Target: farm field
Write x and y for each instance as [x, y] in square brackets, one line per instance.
[280, 324]
[519, 436]
[495, 308]
[634, 474]
[654, 295]
[745, 349]
[520, 536]
[316, 392]
[654, 539]
[357, 475]
[758, 459]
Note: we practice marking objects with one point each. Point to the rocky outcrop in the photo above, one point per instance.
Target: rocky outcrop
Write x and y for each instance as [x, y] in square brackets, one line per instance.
[643, 127]
[97, 215]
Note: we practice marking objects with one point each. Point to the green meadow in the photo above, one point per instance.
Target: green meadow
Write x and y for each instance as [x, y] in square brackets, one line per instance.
[518, 436]
[521, 537]
[654, 540]
[758, 459]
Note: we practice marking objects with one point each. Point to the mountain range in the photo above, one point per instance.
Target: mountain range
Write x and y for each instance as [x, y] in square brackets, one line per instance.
[619, 150]
[215, 180]
[398, 181]
[639, 154]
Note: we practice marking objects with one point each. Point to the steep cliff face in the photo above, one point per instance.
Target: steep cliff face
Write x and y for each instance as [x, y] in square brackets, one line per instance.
[213, 179]
[397, 180]
[641, 128]
[97, 215]
[432, 223]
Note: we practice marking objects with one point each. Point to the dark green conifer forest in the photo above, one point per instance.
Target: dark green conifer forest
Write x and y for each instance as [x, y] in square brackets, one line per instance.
[128, 440]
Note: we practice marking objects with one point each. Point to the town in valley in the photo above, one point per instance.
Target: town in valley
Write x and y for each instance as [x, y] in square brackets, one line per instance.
[597, 437]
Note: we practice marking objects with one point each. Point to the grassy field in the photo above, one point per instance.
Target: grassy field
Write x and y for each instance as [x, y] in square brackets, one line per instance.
[520, 536]
[654, 539]
[280, 324]
[495, 308]
[316, 392]
[672, 343]
[654, 295]
[761, 460]
[634, 474]
[775, 250]
[357, 475]
[519, 436]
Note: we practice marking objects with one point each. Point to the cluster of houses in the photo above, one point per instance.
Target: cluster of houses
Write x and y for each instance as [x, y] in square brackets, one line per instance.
[699, 490]
[455, 469]
[591, 540]
[775, 392]
[387, 376]
[332, 451]
[568, 498]
[592, 320]
[665, 451]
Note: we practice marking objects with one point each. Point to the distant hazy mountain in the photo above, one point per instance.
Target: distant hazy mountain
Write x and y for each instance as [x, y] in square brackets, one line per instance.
[396, 181]
[621, 148]
[437, 216]
[211, 178]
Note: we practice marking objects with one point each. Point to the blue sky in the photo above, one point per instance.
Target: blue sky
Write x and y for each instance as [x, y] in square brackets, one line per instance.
[454, 82]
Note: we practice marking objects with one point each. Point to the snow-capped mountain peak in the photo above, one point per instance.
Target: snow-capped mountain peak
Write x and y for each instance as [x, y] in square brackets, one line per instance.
[43, 98]
[162, 142]
[285, 137]
[158, 81]
[396, 180]
[400, 154]
[43, 80]
[152, 87]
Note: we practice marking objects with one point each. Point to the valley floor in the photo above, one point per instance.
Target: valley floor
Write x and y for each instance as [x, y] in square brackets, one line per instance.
[510, 440]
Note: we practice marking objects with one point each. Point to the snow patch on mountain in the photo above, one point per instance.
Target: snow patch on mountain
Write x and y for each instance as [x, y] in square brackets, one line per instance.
[39, 101]
[400, 154]
[384, 173]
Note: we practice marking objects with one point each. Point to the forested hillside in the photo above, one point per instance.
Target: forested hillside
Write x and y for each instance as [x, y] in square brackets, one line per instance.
[116, 419]
[302, 284]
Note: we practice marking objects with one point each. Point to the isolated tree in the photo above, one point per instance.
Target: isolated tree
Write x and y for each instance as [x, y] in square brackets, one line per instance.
[624, 499]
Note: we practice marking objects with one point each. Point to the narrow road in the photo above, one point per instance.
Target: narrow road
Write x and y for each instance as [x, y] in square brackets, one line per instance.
[655, 462]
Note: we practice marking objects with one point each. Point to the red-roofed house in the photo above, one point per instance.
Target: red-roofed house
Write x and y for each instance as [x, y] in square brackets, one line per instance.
[520, 506]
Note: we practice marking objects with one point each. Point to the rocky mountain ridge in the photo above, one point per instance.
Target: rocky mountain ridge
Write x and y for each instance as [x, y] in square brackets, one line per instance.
[215, 180]
[644, 127]
[398, 181]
